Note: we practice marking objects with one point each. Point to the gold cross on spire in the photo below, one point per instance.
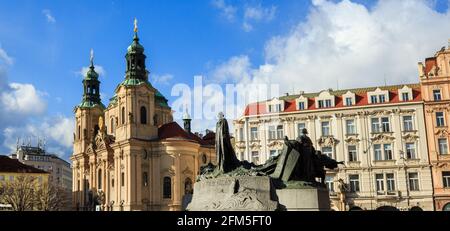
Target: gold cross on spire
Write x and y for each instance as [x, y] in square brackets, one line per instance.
[135, 25]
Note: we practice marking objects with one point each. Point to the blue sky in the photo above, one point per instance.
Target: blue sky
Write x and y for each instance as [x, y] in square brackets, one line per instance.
[45, 44]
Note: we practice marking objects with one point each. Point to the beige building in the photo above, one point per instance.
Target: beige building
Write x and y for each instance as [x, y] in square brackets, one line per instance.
[130, 155]
[435, 82]
[59, 169]
[378, 132]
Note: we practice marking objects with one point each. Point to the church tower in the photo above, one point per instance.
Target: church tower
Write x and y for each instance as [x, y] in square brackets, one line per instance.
[134, 103]
[87, 115]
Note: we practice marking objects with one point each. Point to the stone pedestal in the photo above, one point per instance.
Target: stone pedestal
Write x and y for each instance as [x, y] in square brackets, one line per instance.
[304, 199]
[237, 193]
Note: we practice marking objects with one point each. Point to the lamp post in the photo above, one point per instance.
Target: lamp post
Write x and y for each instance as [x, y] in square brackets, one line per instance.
[402, 157]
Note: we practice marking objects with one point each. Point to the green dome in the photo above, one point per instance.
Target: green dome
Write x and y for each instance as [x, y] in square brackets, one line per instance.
[91, 74]
[135, 46]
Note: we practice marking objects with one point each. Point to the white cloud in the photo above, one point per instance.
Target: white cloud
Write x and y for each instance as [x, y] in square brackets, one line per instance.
[99, 69]
[57, 131]
[23, 99]
[48, 15]
[227, 10]
[346, 42]
[5, 58]
[162, 79]
[236, 69]
[258, 13]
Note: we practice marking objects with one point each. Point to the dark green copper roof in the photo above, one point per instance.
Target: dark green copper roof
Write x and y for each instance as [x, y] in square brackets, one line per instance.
[90, 104]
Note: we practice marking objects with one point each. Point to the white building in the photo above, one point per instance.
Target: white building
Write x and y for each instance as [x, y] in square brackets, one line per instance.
[378, 132]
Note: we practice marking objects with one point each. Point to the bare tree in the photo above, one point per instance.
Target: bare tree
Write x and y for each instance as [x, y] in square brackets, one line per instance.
[19, 193]
[50, 197]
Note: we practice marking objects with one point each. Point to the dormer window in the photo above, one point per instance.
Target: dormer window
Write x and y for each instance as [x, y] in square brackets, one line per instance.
[374, 99]
[301, 106]
[378, 96]
[405, 96]
[382, 98]
[325, 103]
[348, 101]
[275, 108]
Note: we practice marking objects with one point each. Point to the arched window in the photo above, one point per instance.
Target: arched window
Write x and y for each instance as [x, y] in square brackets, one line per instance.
[79, 132]
[99, 179]
[112, 125]
[188, 186]
[204, 158]
[167, 188]
[123, 115]
[155, 119]
[446, 207]
[143, 115]
[144, 179]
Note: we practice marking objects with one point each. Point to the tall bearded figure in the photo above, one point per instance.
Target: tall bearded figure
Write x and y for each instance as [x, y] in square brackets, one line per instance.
[226, 157]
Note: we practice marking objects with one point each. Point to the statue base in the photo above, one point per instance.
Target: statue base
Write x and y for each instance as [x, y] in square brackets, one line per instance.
[234, 193]
[304, 199]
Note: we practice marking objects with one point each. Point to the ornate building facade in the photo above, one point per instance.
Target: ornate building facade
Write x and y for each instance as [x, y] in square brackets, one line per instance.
[130, 155]
[435, 82]
[378, 132]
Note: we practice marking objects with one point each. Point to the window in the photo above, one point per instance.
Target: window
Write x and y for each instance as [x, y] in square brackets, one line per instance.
[446, 179]
[374, 99]
[300, 127]
[112, 126]
[167, 188]
[327, 151]
[377, 151]
[79, 132]
[188, 186]
[144, 179]
[11, 178]
[241, 134]
[350, 124]
[443, 146]
[379, 178]
[272, 133]
[352, 154]
[385, 124]
[382, 98]
[410, 150]
[280, 133]
[387, 151]
[325, 128]
[99, 179]
[321, 104]
[275, 108]
[328, 103]
[376, 126]
[301, 106]
[408, 123]
[112, 182]
[325, 103]
[348, 101]
[413, 179]
[437, 95]
[440, 119]
[143, 115]
[390, 182]
[354, 183]
[329, 181]
[405, 96]
[123, 115]
[255, 157]
[254, 133]
[122, 179]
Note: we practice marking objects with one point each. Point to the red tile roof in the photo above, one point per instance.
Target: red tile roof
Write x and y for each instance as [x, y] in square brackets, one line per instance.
[360, 95]
[174, 131]
[14, 166]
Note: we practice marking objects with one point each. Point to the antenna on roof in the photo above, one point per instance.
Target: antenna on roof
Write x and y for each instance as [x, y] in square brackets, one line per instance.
[385, 82]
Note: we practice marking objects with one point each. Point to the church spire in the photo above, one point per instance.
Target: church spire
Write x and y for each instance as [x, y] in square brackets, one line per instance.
[136, 58]
[91, 86]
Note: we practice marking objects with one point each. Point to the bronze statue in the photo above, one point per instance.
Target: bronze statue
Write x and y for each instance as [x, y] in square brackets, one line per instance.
[226, 157]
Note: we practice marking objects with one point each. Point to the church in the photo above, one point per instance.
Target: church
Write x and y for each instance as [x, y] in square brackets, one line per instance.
[130, 155]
